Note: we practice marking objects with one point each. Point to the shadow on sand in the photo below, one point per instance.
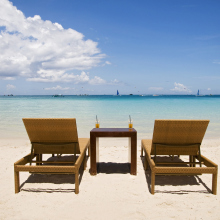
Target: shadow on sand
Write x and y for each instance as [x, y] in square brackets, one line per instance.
[110, 168]
[174, 180]
[54, 178]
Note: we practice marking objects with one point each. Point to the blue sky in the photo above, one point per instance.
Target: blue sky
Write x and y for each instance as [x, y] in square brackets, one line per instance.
[97, 47]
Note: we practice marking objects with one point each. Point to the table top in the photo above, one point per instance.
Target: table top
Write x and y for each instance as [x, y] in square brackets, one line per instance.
[113, 130]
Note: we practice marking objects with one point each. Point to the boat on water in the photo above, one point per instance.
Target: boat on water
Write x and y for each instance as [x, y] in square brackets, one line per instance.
[198, 93]
[58, 95]
[117, 94]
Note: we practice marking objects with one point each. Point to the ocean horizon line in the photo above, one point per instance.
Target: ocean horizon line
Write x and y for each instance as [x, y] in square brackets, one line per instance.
[85, 94]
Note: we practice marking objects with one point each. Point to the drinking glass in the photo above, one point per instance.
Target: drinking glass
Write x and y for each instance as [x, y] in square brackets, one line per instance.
[130, 123]
[97, 124]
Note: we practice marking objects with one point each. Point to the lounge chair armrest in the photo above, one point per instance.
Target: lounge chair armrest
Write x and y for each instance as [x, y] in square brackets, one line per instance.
[150, 161]
[24, 160]
[208, 162]
[80, 158]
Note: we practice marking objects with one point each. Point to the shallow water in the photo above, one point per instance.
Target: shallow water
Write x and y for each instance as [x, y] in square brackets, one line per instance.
[112, 111]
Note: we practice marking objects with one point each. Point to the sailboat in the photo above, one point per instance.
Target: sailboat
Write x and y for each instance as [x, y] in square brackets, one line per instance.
[198, 93]
[117, 92]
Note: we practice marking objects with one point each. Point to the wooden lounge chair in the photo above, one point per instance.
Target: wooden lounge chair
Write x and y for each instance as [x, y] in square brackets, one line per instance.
[178, 137]
[52, 136]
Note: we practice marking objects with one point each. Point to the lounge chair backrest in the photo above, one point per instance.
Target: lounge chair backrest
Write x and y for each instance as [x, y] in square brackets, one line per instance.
[179, 132]
[52, 130]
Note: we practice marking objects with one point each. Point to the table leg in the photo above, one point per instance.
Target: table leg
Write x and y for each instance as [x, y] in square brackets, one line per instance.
[129, 150]
[134, 155]
[97, 150]
[93, 166]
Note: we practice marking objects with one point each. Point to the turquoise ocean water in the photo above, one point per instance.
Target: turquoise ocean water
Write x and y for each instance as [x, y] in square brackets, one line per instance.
[113, 111]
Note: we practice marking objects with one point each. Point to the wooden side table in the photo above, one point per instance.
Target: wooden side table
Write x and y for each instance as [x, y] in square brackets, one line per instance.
[97, 133]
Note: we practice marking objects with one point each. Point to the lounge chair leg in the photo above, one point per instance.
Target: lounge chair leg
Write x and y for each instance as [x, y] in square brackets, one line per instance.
[38, 159]
[89, 151]
[142, 151]
[194, 160]
[191, 160]
[85, 162]
[77, 182]
[145, 163]
[214, 184]
[152, 182]
[17, 182]
[41, 158]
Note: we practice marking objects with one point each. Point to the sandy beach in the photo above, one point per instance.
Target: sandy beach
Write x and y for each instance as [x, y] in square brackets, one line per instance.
[112, 194]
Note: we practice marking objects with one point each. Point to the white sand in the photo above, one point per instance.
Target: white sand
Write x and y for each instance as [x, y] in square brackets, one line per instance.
[106, 196]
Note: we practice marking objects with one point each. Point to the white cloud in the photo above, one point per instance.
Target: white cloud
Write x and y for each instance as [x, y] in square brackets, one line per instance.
[216, 62]
[49, 76]
[77, 79]
[10, 86]
[8, 78]
[97, 81]
[115, 82]
[41, 50]
[58, 88]
[208, 89]
[155, 88]
[106, 63]
[180, 88]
